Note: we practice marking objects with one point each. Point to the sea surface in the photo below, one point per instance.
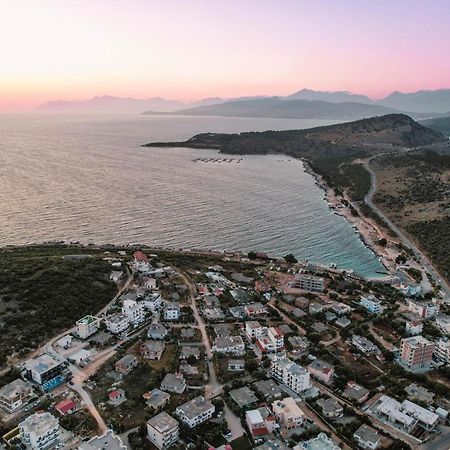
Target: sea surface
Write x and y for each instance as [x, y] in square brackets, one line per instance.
[86, 178]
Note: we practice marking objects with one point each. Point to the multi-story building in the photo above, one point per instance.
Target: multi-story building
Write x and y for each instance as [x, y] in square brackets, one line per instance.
[309, 282]
[87, 326]
[426, 310]
[321, 370]
[364, 345]
[253, 329]
[134, 311]
[14, 395]
[271, 340]
[229, 344]
[290, 374]
[406, 415]
[141, 262]
[413, 327]
[196, 411]
[416, 353]
[172, 311]
[442, 351]
[39, 431]
[261, 422]
[117, 323]
[162, 430]
[42, 368]
[367, 437]
[372, 304]
[443, 323]
[288, 413]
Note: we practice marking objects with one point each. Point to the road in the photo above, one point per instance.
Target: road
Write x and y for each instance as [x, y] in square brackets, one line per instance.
[285, 317]
[80, 376]
[426, 264]
[213, 388]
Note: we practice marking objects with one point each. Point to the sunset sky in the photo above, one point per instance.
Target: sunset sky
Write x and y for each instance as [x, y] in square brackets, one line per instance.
[191, 49]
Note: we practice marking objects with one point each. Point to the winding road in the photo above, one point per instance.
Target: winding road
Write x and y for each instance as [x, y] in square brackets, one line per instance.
[424, 261]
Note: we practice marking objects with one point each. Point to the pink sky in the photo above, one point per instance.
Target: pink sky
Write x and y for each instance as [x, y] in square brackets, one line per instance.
[191, 49]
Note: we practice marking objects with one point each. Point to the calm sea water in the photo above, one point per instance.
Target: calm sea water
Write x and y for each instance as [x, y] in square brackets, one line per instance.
[85, 178]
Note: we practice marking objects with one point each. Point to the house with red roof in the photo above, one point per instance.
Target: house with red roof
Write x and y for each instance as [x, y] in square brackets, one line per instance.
[117, 397]
[65, 407]
[261, 422]
[141, 262]
[270, 340]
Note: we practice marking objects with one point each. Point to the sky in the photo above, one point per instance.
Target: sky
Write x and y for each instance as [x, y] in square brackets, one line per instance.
[192, 49]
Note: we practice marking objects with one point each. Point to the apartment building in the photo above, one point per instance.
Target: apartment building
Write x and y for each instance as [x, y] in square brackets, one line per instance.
[162, 430]
[134, 311]
[117, 323]
[271, 340]
[87, 326]
[40, 431]
[288, 413]
[426, 310]
[290, 374]
[416, 353]
[372, 304]
[15, 395]
[309, 282]
[442, 351]
[196, 411]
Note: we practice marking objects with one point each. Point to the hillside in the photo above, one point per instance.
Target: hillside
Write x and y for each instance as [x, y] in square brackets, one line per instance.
[441, 124]
[276, 107]
[362, 136]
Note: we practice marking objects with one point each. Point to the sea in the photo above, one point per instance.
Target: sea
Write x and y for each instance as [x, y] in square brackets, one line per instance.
[86, 178]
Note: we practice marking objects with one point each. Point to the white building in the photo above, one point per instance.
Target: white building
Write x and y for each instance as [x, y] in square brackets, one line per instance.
[14, 395]
[406, 415]
[87, 326]
[364, 345]
[229, 344]
[39, 431]
[413, 327]
[117, 323]
[442, 351]
[367, 437]
[196, 411]
[253, 329]
[141, 262]
[309, 282]
[372, 304]
[43, 368]
[290, 374]
[162, 430]
[134, 311]
[443, 323]
[424, 310]
[270, 340]
[172, 311]
[153, 302]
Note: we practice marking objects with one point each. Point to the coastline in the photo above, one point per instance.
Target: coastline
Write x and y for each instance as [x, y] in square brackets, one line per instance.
[369, 232]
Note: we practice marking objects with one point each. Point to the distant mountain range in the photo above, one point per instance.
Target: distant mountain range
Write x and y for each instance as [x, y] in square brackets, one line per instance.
[305, 103]
[287, 109]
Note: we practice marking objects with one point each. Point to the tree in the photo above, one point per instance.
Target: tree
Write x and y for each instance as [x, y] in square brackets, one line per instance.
[251, 255]
[290, 258]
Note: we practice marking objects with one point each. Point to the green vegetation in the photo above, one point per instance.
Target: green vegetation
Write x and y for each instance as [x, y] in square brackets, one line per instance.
[434, 237]
[49, 291]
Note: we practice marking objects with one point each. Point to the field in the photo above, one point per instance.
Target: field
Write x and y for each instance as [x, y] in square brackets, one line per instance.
[414, 191]
[48, 291]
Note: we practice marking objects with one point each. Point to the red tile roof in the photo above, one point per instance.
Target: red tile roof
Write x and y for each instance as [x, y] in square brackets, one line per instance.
[65, 406]
[140, 256]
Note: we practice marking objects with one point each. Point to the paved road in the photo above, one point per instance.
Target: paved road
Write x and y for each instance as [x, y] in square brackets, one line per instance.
[426, 264]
